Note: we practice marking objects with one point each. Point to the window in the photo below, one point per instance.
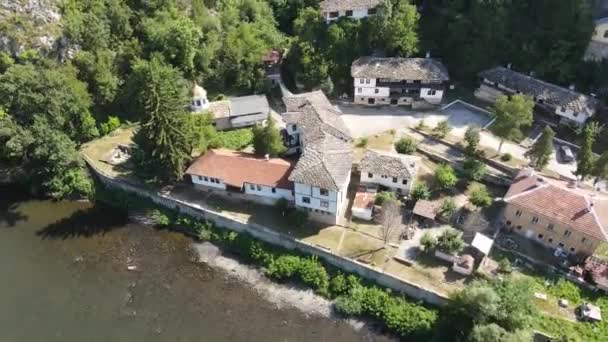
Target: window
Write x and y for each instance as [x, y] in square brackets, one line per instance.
[394, 179]
[563, 109]
[508, 223]
[535, 220]
[274, 190]
[251, 186]
[376, 90]
[606, 34]
[198, 103]
[417, 81]
[334, 14]
[200, 178]
[205, 179]
[540, 236]
[324, 204]
[561, 245]
[363, 99]
[367, 81]
[306, 200]
[404, 182]
[572, 249]
[550, 240]
[550, 226]
[370, 175]
[324, 192]
[518, 227]
[294, 127]
[383, 176]
[567, 233]
[361, 81]
[584, 240]
[259, 187]
[371, 11]
[349, 13]
[518, 213]
[431, 92]
[359, 90]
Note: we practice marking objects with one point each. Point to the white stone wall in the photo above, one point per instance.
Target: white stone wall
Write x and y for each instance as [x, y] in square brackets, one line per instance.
[266, 191]
[431, 95]
[208, 181]
[387, 181]
[569, 114]
[357, 14]
[365, 82]
[372, 92]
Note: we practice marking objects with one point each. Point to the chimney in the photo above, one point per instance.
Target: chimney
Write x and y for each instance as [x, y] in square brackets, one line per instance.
[532, 73]
[572, 87]
[509, 65]
[428, 54]
[267, 157]
[540, 181]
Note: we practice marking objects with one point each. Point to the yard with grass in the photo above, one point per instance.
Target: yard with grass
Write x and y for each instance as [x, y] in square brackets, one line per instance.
[381, 141]
[235, 139]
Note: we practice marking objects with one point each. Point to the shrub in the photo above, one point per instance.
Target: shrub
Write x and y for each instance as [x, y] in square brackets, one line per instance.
[363, 142]
[338, 285]
[420, 191]
[504, 266]
[392, 131]
[442, 129]
[429, 242]
[297, 217]
[220, 97]
[258, 253]
[160, 218]
[384, 196]
[450, 241]
[506, 157]
[312, 273]
[445, 177]
[109, 126]
[421, 126]
[284, 267]
[448, 208]
[235, 139]
[473, 169]
[479, 196]
[405, 146]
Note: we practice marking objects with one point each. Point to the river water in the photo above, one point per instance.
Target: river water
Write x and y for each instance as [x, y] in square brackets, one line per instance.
[64, 277]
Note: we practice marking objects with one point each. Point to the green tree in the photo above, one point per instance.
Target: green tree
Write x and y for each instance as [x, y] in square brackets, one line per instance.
[99, 70]
[267, 139]
[420, 191]
[163, 143]
[478, 195]
[445, 177]
[450, 241]
[512, 115]
[442, 129]
[111, 125]
[600, 168]
[448, 208]
[585, 158]
[540, 153]
[472, 137]
[474, 169]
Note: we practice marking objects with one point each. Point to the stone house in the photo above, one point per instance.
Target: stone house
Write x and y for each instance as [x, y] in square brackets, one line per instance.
[398, 81]
[396, 172]
[566, 104]
[355, 9]
[570, 221]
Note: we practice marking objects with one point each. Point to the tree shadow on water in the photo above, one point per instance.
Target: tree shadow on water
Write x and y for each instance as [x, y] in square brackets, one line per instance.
[9, 215]
[85, 223]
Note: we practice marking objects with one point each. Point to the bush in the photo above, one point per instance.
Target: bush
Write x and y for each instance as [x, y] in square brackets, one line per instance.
[405, 146]
[284, 267]
[479, 196]
[421, 126]
[420, 191]
[235, 139]
[160, 218]
[363, 142]
[338, 285]
[297, 217]
[392, 131]
[308, 270]
[445, 177]
[429, 242]
[384, 196]
[109, 126]
[220, 97]
[473, 169]
[442, 129]
[450, 241]
[448, 208]
[506, 157]
[504, 266]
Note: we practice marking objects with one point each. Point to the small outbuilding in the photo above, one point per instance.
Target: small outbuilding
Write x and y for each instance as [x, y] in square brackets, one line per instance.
[427, 211]
[363, 205]
[464, 264]
[482, 243]
[590, 312]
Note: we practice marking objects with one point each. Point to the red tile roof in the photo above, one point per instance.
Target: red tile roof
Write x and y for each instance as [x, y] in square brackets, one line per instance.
[559, 204]
[235, 168]
[426, 209]
[364, 199]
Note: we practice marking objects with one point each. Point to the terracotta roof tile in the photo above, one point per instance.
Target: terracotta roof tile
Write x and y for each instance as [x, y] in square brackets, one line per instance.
[235, 168]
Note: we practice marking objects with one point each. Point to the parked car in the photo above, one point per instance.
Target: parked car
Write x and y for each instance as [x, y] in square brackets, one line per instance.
[566, 154]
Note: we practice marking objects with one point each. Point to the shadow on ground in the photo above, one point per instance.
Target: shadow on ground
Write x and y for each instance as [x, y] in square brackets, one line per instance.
[85, 223]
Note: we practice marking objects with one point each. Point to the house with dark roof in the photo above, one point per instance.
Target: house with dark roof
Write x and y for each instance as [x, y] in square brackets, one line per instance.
[569, 220]
[398, 81]
[568, 105]
[355, 9]
[322, 174]
[262, 179]
[396, 172]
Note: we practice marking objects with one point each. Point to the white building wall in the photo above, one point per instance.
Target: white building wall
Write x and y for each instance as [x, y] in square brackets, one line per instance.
[386, 181]
[431, 95]
[382, 91]
[365, 82]
[303, 191]
[600, 31]
[266, 191]
[357, 14]
[207, 181]
[569, 114]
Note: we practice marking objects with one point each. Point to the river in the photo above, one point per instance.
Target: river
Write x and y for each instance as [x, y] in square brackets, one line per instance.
[64, 277]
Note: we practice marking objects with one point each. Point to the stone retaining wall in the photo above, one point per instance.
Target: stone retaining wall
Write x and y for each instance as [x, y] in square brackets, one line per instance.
[273, 237]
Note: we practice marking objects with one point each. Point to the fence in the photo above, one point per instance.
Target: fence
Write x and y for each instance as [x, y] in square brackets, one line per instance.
[276, 238]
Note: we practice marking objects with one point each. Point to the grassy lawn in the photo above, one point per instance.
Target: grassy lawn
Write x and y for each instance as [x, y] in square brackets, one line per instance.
[97, 150]
[381, 141]
[327, 238]
[236, 139]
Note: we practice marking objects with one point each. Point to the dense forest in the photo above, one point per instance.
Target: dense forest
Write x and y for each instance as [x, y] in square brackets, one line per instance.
[114, 61]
